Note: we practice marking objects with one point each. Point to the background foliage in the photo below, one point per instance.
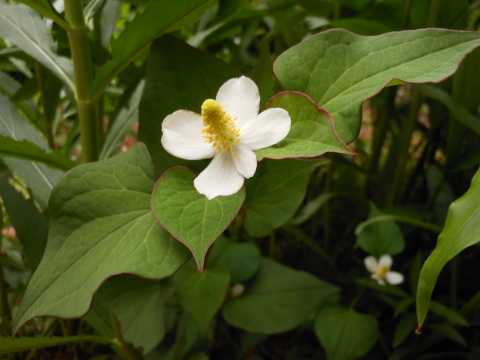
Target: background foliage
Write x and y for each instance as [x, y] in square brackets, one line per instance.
[389, 165]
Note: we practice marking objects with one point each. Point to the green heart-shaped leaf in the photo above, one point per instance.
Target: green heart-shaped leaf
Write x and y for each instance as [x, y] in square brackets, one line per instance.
[100, 225]
[339, 69]
[312, 132]
[188, 215]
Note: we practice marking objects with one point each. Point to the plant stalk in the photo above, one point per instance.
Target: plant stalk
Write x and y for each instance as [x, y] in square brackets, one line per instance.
[83, 67]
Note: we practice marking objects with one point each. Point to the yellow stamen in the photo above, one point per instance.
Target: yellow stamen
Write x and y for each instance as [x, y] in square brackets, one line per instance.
[220, 129]
[382, 271]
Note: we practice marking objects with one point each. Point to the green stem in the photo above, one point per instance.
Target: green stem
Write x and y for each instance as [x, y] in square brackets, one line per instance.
[83, 67]
[402, 151]
[406, 220]
[433, 14]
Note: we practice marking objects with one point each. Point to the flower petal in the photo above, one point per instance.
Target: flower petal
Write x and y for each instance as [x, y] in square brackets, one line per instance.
[240, 98]
[219, 178]
[379, 280]
[182, 136]
[371, 264]
[245, 160]
[394, 278]
[385, 260]
[270, 127]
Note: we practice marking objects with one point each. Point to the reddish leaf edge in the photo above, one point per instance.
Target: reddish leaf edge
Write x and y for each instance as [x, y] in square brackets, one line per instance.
[389, 82]
[319, 110]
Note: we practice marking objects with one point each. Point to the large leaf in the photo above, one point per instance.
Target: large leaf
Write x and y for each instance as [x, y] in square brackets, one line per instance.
[202, 293]
[31, 227]
[38, 177]
[138, 304]
[461, 230]
[312, 132]
[26, 29]
[160, 17]
[178, 77]
[381, 238]
[344, 333]
[279, 299]
[188, 215]
[100, 225]
[29, 151]
[275, 193]
[339, 69]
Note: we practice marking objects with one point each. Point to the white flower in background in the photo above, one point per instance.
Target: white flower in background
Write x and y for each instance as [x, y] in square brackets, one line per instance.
[228, 130]
[381, 270]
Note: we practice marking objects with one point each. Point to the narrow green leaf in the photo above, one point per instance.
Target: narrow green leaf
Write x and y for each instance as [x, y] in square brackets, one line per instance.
[344, 333]
[242, 259]
[275, 193]
[405, 327]
[381, 238]
[45, 8]
[312, 133]
[196, 76]
[461, 230]
[31, 227]
[339, 69]
[122, 124]
[40, 178]
[159, 17]
[447, 313]
[100, 225]
[279, 299]
[202, 293]
[188, 215]
[29, 151]
[26, 29]
[461, 114]
[9, 345]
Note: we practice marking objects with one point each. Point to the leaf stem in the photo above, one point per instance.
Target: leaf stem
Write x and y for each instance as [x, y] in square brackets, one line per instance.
[83, 68]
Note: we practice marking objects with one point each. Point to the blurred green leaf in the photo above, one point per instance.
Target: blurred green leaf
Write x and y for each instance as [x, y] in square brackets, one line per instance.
[242, 259]
[196, 76]
[344, 333]
[405, 327]
[275, 193]
[138, 305]
[46, 8]
[100, 225]
[40, 178]
[188, 215]
[159, 17]
[381, 238]
[278, 300]
[458, 111]
[29, 151]
[122, 125]
[461, 230]
[448, 332]
[26, 29]
[202, 293]
[447, 313]
[31, 227]
[339, 69]
[9, 345]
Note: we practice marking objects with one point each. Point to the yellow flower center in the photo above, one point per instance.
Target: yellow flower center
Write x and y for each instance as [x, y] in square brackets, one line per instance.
[382, 271]
[220, 129]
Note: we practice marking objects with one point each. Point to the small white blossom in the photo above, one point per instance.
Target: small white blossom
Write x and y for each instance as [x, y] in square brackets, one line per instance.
[228, 130]
[381, 270]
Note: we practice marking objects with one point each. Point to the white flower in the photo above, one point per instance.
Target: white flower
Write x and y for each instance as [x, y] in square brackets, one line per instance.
[228, 130]
[381, 270]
